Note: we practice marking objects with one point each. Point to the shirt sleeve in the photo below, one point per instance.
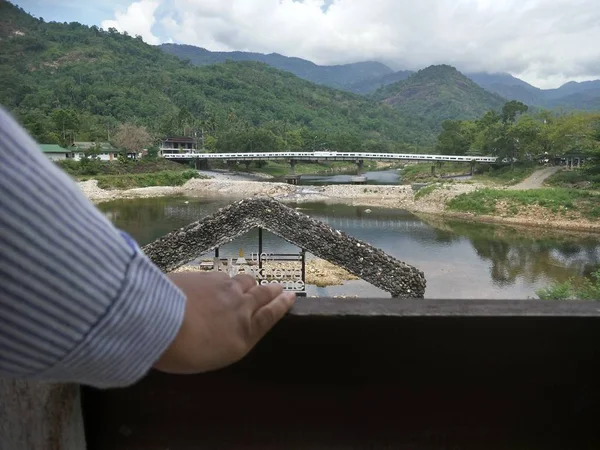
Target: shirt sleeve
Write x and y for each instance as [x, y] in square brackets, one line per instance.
[79, 301]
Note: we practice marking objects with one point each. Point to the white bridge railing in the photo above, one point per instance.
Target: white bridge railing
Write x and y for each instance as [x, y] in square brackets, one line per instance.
[328, 155]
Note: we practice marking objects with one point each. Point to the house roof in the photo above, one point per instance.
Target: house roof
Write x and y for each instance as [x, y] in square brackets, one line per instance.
[53, 148]
[359, 258]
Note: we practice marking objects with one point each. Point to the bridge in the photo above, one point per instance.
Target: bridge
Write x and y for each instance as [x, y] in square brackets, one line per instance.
[323, 156]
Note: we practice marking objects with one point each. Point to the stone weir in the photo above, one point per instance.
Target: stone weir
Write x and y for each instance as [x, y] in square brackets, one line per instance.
[359, 258]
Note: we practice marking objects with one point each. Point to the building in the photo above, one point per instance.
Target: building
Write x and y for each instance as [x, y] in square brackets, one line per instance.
[106, 151]
[56, 152]
[178, 144]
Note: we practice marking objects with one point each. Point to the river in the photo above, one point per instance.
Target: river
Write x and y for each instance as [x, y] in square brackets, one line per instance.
[373, 177]
[460, 260]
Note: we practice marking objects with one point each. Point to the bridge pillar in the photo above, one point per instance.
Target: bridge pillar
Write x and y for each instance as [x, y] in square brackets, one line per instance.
[360, 164]
[433, 170]
[293, 164]
[472, 167]
[247, 164]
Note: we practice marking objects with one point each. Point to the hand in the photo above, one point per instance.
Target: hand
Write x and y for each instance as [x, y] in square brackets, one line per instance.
[224, 319]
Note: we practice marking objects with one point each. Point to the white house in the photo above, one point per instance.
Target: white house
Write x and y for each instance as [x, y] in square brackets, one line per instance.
[106, 152]
[56, 152]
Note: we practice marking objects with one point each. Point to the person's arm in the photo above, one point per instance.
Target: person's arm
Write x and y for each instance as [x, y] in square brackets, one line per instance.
[78, 299]
[79, 302]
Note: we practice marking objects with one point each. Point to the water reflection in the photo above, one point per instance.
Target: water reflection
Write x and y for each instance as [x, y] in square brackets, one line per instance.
[460, 260]
[533, 255]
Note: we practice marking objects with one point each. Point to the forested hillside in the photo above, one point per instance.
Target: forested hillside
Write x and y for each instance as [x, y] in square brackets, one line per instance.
[69, 81]
[439, 93]
[517, 132]
[369, 86]
[339, 77]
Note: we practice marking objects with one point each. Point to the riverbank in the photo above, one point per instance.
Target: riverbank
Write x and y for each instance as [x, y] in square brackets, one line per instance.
[432, 200]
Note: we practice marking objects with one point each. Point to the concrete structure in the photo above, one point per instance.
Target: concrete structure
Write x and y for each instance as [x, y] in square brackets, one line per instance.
[176, 145]
[380, 374]
[359, 258]
[56, 152]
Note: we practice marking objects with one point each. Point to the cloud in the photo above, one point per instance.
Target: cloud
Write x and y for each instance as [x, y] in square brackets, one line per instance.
[545, 41]
[138, 19]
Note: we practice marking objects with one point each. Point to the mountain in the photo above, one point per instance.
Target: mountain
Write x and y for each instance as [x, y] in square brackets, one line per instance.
[338, 77]
[588, 100]
[438, 93]
[70, 79]
[509, 87]
[367, 77]
[370, 85]
[586, 88]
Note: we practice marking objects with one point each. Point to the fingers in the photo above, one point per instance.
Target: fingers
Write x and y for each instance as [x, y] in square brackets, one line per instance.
[246, 282]
[262, 295]
[266, 317]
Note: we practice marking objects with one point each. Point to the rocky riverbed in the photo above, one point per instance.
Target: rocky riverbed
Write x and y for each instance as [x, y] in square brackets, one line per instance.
[401, 197]
[384, 196]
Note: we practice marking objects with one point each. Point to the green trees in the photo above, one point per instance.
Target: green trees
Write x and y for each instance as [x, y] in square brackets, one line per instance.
[515, 133]
[66, 122]
[456, 138]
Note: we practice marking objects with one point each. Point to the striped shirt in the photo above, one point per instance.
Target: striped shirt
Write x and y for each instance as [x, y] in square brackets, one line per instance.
[79, 301]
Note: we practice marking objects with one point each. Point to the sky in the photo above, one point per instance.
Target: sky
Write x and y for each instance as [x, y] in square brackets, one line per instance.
[544, 42]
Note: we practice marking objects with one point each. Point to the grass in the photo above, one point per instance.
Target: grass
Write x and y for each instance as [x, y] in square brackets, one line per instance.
[422, 171]
[424, 192]
[579, 179]
[558, 200]
[76, 168]
[586, 289]
[138, 180]
[506, 175]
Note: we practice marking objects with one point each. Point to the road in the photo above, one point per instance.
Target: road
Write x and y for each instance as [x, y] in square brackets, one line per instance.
[536, 180]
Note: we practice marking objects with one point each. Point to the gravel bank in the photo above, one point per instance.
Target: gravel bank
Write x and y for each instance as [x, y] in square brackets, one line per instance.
[384, 196]
[401, 197]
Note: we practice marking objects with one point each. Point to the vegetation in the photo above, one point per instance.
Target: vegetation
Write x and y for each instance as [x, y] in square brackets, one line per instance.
[573, 289]
[69, 81]
[514, 133]
[365, 78]
[439, 93]
[505, 174]
[584, 178]
[422, 172]
[132, 139]
[568, 202]
[424, 192]
[340, 77]
[138, 180]
[91, 165]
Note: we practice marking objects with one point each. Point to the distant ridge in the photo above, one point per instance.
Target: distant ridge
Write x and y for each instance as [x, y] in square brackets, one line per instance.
[338, 76]
[439, 93]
